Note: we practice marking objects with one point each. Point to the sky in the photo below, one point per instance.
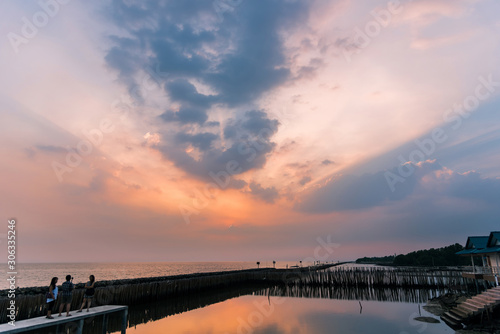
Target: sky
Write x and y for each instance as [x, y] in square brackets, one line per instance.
[237, 130]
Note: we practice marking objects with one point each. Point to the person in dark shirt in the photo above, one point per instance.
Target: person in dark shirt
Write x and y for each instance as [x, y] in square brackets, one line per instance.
[89, 293]
[67, 295]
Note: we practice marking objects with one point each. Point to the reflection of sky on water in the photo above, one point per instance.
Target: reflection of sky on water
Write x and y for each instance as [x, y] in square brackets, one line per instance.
[260, 315]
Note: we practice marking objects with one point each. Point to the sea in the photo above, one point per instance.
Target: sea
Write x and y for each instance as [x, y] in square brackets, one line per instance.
[40, 274]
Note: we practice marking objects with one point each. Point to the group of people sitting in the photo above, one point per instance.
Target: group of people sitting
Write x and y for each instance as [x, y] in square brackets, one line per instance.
[67, 295]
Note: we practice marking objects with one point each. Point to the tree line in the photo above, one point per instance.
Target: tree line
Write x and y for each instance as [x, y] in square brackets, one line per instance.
[444, 256]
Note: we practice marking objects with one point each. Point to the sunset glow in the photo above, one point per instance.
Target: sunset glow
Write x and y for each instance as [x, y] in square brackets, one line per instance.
[190, 131]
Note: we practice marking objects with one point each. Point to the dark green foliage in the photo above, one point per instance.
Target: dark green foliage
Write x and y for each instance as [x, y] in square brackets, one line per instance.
[434, 257]
[385, 259]
[444, 256]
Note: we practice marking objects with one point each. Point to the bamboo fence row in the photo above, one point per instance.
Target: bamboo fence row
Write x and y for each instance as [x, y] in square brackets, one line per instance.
[30, 302]
[385, 277]
[353, 293]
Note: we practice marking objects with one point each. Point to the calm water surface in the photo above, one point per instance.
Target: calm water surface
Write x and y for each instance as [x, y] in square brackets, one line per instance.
[271, 315]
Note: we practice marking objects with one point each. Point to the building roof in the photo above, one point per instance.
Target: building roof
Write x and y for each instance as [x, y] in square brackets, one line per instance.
[482, 245]
[468, 251]
[494, 239]
[477, 242]
[474, 244]
[490, 250]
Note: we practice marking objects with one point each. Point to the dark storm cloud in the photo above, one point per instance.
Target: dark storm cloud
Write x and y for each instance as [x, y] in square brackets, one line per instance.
[247, 149]
[258, 65]
[255, 123]
[303, 181]
[51, 148]
[471, 185]
[185, 116]
[239, 59]
[268, 195]
[212, 124]
[31, 152]
[250, 54]
[172, 58]
[203, 141]
[350, 192]
[119, 57]
[182, 90]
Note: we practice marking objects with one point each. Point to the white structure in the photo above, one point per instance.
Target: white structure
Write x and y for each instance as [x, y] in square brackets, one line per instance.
[488, 248]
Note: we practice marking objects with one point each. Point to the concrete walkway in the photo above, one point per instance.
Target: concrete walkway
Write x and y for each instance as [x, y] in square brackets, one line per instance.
[77, 318]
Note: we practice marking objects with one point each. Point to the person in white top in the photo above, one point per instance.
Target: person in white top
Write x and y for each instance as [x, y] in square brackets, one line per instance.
[51, 297]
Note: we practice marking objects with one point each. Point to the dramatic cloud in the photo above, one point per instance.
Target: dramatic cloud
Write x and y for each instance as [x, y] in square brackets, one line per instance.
[237, 60]
[247, 140]
[349, 192]
[50, 148]
[203, 141]
[255, 124]
[305, 180]
[185, 115]
[183, 91]
[266, 194]
[250, 118]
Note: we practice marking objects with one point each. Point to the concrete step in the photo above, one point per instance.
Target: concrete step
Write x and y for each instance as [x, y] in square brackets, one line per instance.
[472, 306]
[492, 293]
[454, 316]
[466, 311]
[491, 296]
[476, 302]
[450, 321]
[486, 298]
[460, 313]
[467, 308]
[483, 299]
[488, 295]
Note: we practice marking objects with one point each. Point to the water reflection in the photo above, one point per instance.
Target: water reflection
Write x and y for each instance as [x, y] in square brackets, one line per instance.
[281, 309]
[354, 293]
[271, 315]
